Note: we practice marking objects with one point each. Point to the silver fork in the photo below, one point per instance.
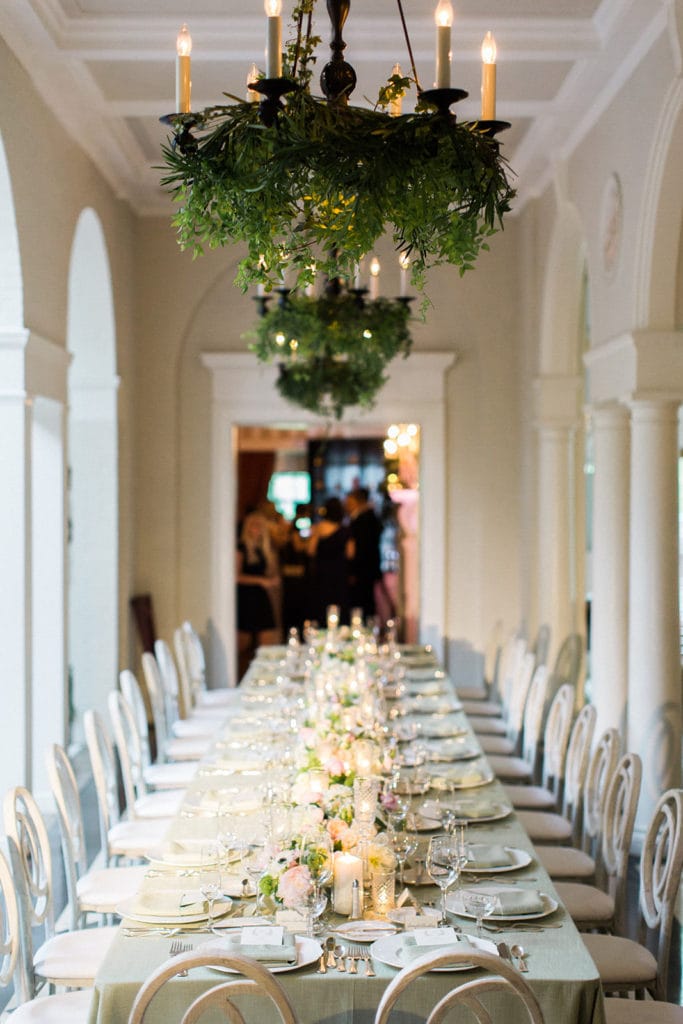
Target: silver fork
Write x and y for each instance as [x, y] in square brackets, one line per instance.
[177, 947]
[356, 952]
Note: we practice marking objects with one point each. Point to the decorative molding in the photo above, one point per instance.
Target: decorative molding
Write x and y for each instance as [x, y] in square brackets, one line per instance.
[639, 365]
[32, 366]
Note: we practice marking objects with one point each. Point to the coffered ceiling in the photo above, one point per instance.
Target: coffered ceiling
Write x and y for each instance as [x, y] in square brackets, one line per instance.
[106, 67]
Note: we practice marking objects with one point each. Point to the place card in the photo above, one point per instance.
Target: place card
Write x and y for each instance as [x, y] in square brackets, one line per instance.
[260, 935]
[435, 936]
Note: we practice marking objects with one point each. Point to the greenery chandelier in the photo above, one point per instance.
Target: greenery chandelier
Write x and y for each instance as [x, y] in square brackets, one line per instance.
[309, 185]
[332, 350]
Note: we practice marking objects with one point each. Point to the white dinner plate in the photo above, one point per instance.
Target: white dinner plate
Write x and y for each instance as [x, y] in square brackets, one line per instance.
[127, 909]
[518, 859]
[492, 811]
[454, 906]
[440, 728]
[365, 931]
[416, 822]
[308, 951]
[452, 753]
[232, 886]
[430, 706]
[443, 782]
[388, 951]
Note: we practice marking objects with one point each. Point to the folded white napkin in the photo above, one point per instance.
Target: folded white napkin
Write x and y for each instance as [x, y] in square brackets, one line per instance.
[491, 855]
[165, 905]
[518, 901]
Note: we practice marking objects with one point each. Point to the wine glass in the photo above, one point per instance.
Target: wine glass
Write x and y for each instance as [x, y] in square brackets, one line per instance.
[312, 903]
[442, 866]
[254, 858]
[404, 843]
[210, 881]
[479, 904]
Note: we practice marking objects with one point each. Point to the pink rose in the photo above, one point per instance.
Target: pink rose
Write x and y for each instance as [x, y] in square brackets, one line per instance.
[337, 829]
[334, 766]
[294, 885]
[308, 736]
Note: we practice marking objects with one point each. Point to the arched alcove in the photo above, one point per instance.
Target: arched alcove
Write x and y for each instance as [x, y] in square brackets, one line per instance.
[92, 472]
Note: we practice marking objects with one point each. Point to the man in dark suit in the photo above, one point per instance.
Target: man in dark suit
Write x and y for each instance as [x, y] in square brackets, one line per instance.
[364, 567]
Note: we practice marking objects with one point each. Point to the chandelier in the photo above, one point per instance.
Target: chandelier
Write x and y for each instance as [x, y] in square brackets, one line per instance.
[310, 185]
[332, 350]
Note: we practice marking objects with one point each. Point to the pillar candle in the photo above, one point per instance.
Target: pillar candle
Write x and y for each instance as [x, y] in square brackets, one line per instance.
[346, 869]
[274, 39]
[443, 17]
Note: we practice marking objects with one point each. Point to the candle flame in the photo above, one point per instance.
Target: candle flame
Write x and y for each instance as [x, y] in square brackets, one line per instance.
[375, 267]
[273, 8]
[488, 49]
[404, 261]
[184, 42]
[443, 15]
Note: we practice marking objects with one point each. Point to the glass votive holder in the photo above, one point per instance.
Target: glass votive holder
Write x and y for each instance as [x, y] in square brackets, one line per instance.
[365, 791]
[383, 892]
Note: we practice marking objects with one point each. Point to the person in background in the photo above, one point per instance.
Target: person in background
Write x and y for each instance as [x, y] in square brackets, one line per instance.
[257, 580]
[294, 569]
[330, 546]
[364, 564]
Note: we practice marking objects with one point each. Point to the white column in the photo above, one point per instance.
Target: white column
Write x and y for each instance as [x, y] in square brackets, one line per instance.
[558, 409]
[15, 563]
[654, 708]
[609, 611]
[555, 531]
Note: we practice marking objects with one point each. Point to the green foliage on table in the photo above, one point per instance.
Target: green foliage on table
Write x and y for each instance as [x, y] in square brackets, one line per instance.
[316, 190]
[341, 353]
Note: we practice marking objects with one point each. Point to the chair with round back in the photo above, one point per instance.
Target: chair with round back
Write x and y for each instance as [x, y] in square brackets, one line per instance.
[541, 645]
[67, 959]
[133, 694]
[100, 890]
[568, 663]
[140, 803]
[118, 838]
[568, 861]
[524, 768]
[546, 826]
[492, 653]
[495, 707]
[548, 795]
[170, 748]
[623, 964]
[501, 979]
[255, 980]
[510, 744]
[604, 908]
[160, 774]
[195, 660]
[63, 1008]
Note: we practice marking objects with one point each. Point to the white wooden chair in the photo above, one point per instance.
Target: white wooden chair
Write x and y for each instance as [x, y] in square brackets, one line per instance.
[139, 802]
[540, 648]
[548, 795]
[133, 695]
[181, 718]
[568, 861]
[546, 826]
[603, 908]
[492, 653]
[63, 1008]
[118, 838]
[160, 774]
[628, 966]
[642, 1011]
[501, 979]
[510, 744]
[98, 890]
[169, 748]
[68, 959]
[255, 980]
[523, 769]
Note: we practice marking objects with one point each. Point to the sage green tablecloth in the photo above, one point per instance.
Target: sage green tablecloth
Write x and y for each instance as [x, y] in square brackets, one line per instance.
[561, 972]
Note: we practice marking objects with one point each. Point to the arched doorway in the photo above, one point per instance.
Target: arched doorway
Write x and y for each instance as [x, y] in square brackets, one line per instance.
[92, 502]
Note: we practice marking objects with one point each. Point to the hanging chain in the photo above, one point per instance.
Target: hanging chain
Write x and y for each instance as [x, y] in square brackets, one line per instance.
[410, 49]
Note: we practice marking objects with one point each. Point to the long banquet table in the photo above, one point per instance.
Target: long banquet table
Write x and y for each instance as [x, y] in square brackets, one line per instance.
[561, 972]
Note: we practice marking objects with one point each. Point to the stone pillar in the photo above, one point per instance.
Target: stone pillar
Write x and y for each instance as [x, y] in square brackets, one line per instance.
[654, 706]
[558, 412]
[610, 588]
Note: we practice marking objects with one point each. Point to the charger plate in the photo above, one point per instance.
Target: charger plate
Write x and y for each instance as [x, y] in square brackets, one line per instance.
[388, 951]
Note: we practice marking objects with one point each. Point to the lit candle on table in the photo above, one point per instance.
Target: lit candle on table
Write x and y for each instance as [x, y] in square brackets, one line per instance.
[488, 78]
[374, 277]
[443, 16]
[346, 869]
[274, 39]
[363, 755]
[183, 83]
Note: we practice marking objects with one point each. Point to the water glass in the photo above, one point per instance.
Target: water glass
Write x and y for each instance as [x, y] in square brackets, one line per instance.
[442, 867]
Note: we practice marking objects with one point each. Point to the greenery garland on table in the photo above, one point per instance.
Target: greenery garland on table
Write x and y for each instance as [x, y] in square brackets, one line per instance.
[333, 350]
[315, 191]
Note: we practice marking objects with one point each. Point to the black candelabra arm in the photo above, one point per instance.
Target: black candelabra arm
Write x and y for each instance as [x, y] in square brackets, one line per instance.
[337, 79]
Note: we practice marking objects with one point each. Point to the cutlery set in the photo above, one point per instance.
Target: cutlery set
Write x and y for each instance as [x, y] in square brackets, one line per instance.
[345, 959]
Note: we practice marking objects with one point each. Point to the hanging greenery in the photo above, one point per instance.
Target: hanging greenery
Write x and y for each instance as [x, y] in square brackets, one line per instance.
[314, 191]
[332, 351]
